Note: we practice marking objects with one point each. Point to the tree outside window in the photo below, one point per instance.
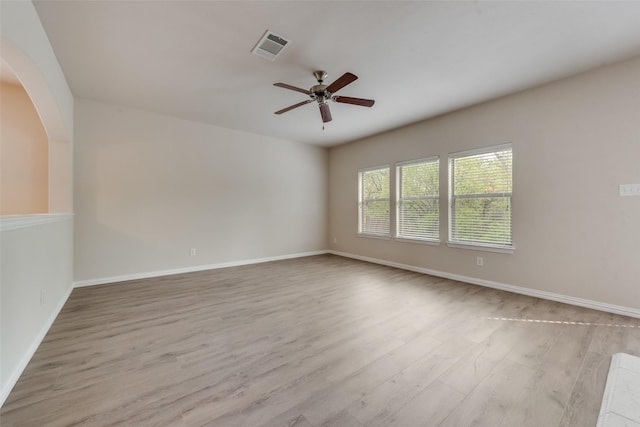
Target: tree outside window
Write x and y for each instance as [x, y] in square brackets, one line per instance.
[374, 201]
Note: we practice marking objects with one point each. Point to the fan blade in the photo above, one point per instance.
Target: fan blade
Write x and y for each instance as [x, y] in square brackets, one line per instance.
[325, 112]
[355, 101]
[297, 89]
[344, 80]
[299, 104]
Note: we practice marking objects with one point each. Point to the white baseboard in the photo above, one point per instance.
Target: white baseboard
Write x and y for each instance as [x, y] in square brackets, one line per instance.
[147, 275]
[15, 376]
[596, 305]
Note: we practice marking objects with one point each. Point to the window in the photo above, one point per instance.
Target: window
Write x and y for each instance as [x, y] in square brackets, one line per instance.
[373, 201]
[480, 185]
[418, 210]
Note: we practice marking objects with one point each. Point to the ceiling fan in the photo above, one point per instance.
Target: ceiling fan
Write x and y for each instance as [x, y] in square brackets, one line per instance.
[322, 94]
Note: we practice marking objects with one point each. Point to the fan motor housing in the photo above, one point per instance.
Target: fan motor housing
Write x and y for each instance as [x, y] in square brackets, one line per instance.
[318, 90]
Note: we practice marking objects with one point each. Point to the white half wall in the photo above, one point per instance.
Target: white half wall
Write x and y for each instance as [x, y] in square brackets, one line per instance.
[36, 279]
[149, 188]
[574, 142]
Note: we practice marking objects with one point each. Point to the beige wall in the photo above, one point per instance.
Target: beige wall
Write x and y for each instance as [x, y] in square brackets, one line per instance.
[24, 158]
[574, 142]
[150, 187]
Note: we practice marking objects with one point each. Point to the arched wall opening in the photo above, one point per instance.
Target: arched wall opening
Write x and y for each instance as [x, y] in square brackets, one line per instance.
[24, 150]
[36, 179]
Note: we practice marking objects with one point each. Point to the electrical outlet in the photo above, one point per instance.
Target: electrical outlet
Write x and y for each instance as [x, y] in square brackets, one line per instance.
[335, 240]
[193, 252]
[480, 261]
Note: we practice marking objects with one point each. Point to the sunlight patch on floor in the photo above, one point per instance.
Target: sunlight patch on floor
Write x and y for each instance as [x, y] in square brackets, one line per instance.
[562, 322]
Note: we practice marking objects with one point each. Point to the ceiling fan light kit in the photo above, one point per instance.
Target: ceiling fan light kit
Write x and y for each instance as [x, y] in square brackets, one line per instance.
[322, 93]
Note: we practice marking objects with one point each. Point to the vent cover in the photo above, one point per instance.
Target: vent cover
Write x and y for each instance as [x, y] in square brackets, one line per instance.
[270, 45]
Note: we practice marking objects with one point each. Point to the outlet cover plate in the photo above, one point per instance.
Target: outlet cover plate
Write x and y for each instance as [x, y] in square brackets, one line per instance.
[629, 190]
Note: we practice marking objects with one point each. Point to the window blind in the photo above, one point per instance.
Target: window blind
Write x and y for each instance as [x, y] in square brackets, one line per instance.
[418, 210]
[480, 191]
[374, 201]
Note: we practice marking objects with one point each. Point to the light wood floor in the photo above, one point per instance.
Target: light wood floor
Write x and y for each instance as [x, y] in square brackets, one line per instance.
[318, 341]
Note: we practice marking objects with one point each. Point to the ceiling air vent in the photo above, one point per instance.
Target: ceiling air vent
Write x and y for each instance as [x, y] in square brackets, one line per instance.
[270, 45]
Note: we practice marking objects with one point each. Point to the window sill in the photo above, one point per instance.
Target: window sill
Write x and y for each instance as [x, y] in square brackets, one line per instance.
[418, 241]
[374, 236]
[485, 248]
[12, 222]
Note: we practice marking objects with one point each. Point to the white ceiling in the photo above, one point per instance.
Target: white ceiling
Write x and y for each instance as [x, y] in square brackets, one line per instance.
[191, 59]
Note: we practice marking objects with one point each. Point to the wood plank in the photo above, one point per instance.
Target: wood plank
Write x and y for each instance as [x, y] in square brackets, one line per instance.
[544, 400]
[376, 407]
[430, 407]
[584, 404]
[488, 403]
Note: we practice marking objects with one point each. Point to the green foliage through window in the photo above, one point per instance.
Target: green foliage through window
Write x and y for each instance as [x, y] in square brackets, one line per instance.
[418, 209]
[374, 202]
[480, 188]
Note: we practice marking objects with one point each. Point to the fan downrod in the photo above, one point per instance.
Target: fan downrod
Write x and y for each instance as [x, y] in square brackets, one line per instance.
[320, 75]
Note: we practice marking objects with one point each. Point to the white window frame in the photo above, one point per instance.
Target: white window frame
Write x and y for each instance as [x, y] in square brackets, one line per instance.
[361, 202]
[400, 200]
[479, 245]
